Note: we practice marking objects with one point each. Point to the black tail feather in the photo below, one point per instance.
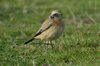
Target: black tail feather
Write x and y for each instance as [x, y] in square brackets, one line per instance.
[29, 41]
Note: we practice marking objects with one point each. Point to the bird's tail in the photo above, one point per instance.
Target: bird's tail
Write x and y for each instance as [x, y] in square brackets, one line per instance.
[29, 40]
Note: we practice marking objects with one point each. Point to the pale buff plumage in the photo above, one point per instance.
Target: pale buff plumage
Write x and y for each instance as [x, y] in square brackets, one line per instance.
[52, 28]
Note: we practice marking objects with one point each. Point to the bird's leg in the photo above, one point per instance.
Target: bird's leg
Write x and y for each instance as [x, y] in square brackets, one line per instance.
[47, 43]
[51, 43]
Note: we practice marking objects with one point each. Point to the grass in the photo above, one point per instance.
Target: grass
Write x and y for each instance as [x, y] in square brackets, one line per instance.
[79, 46]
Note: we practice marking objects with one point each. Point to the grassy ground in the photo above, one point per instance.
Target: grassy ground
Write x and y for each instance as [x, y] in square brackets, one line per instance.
[79, 46]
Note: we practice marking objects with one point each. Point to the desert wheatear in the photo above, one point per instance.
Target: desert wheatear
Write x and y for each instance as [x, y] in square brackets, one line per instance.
[51, 29]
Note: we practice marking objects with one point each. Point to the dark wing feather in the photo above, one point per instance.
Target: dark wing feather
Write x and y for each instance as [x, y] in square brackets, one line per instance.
[42, 29]
[39, 32]
[45, 26]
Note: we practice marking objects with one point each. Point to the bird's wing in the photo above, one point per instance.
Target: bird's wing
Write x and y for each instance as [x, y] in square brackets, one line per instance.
[45, 26]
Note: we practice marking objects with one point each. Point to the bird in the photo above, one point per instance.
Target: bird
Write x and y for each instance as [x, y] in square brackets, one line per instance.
[51, 29]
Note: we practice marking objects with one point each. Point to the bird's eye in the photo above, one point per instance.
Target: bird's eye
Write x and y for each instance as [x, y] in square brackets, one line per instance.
[56, 15]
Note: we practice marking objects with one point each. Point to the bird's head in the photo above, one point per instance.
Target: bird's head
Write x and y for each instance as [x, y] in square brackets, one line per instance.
[56, 15]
